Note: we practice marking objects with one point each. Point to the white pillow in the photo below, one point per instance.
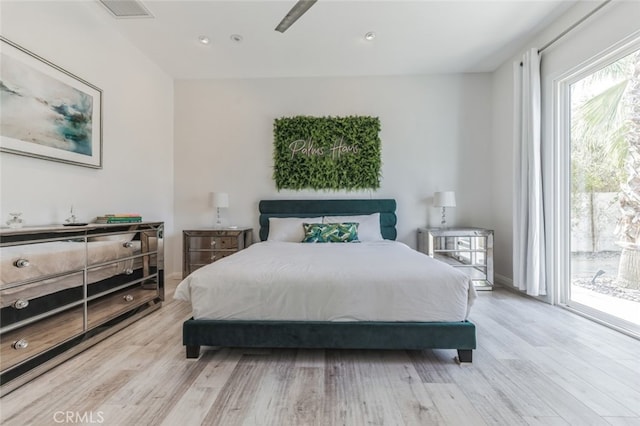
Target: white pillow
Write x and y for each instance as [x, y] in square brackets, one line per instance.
[368, 228]
[289, 229]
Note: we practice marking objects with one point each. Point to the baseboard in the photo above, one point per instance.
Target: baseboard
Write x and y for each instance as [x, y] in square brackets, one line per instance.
[175, 276]
[507, 284]
[502, 281]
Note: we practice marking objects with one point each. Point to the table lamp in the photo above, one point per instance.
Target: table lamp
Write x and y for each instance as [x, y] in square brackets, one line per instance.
[220, 201]
[444, 199]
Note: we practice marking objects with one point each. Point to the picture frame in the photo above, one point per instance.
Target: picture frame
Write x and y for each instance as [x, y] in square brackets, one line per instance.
[47, 112]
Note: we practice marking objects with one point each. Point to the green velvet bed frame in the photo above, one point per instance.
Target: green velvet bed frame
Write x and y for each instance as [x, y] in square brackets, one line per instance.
[330, 335]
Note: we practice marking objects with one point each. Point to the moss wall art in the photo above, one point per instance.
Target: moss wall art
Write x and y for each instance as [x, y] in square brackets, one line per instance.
[327, 152]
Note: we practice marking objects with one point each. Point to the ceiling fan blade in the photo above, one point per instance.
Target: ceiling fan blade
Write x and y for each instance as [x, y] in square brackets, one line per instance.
[296, 11]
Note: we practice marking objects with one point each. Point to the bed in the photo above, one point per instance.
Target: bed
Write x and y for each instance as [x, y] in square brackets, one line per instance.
[310, 306]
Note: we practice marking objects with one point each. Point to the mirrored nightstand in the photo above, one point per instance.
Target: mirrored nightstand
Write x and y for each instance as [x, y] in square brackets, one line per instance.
[469, 249]
[204, 246]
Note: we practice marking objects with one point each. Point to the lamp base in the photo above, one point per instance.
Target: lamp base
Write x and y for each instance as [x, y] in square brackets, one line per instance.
[218, 223]
[443, 222]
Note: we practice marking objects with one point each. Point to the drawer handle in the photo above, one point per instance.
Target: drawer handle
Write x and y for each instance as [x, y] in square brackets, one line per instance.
[21, 263]
[20, 304]
[128, 271]
[213, 243]
[128, 298]
[128, 244]
[20, 344]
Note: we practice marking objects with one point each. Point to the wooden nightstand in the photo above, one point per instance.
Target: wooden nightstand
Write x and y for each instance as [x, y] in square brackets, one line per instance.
[468, 249]
[204, 246]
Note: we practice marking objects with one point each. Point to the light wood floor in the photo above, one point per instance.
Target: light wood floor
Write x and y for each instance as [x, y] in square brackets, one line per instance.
[535, 364]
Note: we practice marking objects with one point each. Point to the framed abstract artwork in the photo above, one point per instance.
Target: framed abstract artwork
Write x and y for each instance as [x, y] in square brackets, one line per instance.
[47, 112]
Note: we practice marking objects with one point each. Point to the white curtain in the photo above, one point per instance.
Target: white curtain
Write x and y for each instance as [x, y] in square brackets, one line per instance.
[528, 222]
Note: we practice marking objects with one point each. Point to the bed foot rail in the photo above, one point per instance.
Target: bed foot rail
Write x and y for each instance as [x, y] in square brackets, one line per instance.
[465, 355]
[193, 351]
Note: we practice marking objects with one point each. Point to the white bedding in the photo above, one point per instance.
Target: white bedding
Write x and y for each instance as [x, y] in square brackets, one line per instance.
[374, 281]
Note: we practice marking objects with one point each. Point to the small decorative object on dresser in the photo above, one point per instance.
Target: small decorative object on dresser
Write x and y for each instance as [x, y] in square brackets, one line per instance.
[469, 249]
[15, 221]
[204, 246]
[63, 289]
[72, 220]
[119, 218]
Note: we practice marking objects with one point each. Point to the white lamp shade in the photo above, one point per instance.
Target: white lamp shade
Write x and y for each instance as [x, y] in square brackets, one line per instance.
[220, 199]
[444, 199]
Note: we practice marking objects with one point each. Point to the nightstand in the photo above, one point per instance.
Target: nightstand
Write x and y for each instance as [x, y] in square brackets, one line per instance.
[469, 249]
[204, 246]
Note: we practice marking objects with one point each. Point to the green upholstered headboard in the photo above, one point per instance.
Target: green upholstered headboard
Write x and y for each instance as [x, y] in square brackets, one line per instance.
[314, 208]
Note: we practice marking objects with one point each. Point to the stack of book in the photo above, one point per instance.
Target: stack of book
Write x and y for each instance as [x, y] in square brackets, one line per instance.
[119, 218]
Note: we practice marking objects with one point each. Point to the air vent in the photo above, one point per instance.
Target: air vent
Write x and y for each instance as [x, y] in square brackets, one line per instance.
[126, 9]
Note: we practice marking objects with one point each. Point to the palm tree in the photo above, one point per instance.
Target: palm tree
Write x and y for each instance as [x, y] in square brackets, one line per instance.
[629, 224]
[606, 136]
[598, 146]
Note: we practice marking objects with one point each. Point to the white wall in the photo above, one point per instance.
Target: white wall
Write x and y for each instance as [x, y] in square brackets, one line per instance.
[614, 22]
[137, 121]
[436, 132]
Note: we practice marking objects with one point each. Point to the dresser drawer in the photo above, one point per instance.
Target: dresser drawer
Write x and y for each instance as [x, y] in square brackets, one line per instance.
[28, 300]
[110, 306]
[37, 261]
[197, 260]
[23, 343]
[206, 257]
[217, 243]
[101, 251]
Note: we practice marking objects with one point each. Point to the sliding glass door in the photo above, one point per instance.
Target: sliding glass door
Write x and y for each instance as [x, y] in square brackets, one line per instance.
[603, 173]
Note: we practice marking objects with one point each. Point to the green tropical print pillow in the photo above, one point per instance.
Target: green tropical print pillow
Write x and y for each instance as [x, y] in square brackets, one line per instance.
[330, 232]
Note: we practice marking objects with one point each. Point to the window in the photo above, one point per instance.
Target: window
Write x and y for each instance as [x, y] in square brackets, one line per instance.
[600, 114]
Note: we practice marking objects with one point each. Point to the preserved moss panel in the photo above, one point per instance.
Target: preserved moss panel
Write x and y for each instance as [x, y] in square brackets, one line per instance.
[327, 152]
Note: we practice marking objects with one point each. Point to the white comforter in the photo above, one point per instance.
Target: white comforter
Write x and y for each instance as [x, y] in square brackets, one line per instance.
[378, 281]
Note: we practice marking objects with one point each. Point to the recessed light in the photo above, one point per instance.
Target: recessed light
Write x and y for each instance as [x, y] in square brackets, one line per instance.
[236, 38]
[370, 36]
[204, 39]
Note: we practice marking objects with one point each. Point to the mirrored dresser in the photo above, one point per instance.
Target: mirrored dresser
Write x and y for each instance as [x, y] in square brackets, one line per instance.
[65, 288]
